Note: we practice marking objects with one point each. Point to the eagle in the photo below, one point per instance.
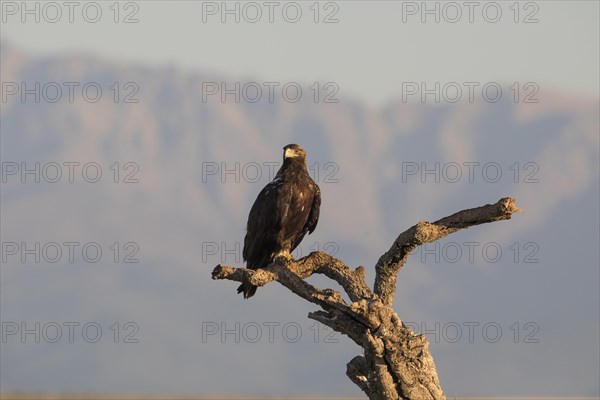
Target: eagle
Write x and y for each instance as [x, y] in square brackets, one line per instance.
[286, 209]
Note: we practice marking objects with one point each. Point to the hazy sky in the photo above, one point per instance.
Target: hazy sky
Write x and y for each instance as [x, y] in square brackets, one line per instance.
[369, 52]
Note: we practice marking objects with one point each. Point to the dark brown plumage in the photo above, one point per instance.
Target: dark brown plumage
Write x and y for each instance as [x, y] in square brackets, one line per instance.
[283, 213]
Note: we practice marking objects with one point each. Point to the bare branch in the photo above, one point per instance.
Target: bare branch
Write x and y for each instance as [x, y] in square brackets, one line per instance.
[353, 281]
[424, 232]
[259, 277]
[286, 275]
[357, 371]
[341, 322]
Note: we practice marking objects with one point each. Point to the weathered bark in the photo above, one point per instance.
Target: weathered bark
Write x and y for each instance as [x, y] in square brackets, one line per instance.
[424, 232]
[397, 363]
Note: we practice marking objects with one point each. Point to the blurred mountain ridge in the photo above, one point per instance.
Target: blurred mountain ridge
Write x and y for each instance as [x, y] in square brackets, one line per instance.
[199, 164]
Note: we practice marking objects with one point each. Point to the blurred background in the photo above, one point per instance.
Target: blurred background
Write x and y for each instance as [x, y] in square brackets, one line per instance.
[136, 135]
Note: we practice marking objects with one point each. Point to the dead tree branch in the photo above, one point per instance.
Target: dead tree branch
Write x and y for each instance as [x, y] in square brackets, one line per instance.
[397, 363]
[424, 232]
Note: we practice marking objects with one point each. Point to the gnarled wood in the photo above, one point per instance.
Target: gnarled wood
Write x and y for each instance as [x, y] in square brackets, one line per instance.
[424, 232]
[397, 363]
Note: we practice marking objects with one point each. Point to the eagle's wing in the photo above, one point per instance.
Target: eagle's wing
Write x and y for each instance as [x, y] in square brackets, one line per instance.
[313, 217]
[261, 230]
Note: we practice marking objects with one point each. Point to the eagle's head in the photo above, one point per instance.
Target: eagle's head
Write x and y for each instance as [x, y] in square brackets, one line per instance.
[294, 151]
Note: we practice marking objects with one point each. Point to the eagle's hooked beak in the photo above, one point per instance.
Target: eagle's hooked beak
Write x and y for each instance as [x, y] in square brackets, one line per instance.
[290, 153]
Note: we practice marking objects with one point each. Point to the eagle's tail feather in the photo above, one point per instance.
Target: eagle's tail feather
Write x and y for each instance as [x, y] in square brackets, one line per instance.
[247, 289]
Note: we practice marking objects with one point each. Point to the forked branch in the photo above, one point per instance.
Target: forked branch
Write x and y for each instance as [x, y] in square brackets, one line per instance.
[397, 363]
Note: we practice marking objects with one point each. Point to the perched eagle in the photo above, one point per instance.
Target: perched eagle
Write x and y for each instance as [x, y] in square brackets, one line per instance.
[284, 211]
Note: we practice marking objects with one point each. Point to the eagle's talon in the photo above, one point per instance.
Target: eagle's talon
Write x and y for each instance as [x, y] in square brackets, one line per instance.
[284, 258]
